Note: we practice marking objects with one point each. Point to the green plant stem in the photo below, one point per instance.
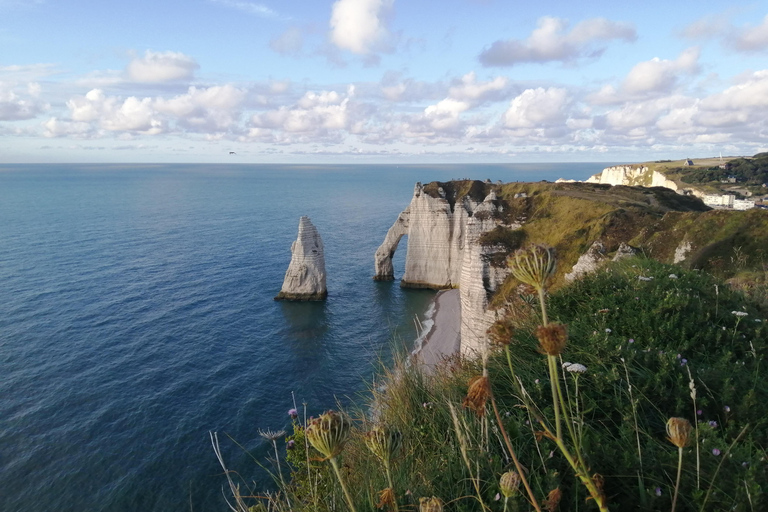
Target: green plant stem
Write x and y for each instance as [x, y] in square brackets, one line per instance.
[677, 481]
[518, 466]
[391, 485]
[280, 472]
[725, 457]
[554, 382]
[335, 465]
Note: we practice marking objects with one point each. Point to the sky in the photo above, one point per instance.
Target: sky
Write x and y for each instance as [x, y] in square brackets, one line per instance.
[381, 81]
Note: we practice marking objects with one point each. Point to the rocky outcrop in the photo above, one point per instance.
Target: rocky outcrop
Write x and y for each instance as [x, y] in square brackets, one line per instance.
[640, 176]
[305, 277]
[435, 232]
[588, 262]
[444, 252]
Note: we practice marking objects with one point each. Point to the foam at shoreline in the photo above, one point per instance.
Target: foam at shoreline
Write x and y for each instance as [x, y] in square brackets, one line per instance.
[442, 338]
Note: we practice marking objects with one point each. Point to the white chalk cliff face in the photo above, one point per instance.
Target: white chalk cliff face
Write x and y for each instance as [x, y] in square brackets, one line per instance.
[444, 252]
[305, 277]
[634, 176]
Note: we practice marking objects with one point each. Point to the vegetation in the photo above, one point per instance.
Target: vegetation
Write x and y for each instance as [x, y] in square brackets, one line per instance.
[595, 419]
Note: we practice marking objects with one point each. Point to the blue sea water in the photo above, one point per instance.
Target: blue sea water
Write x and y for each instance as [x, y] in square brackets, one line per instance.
[137, 315]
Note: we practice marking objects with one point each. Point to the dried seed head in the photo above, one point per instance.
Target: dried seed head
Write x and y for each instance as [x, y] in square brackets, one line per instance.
[383, 442]
[328, 433]
[432, 504]
[509, 483]
[552, 338]
[387, 499]
[678, 431]
[534, 266]
[501, 333]
[478, 394]
[553, 499]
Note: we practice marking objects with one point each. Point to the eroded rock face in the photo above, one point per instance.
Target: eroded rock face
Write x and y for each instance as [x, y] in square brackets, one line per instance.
[588, 262]
[305, 277]
[632, 176]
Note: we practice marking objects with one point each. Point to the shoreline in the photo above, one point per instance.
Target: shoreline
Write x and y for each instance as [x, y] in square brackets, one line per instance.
[444, 336]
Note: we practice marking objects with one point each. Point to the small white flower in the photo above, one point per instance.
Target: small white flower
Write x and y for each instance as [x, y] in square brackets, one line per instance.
[739, 313]
[576, 368]
[758, 320]
[643, 278]
[566, 365]
[672, 276]
[608, 331]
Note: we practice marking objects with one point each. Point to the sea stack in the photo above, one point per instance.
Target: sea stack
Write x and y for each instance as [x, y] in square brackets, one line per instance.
[305, 277]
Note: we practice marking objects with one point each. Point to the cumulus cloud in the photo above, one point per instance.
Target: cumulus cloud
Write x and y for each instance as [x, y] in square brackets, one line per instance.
[550, 41]
[20, 101]
[469, 89]
[214, 108]
[538, 108]
[156, 67]
[112, 114]
[360, 25]
[661, 75]
[315, 116]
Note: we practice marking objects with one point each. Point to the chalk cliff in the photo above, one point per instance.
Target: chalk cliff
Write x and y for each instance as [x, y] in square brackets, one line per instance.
[635, 176]
[443, 226]
[305, 277]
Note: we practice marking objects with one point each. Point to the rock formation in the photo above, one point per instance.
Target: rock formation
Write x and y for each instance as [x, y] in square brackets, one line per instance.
[444, 252]
[632, 176]
[305, 277]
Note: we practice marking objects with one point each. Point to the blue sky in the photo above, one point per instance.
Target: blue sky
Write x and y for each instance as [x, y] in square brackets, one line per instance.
[381, 80]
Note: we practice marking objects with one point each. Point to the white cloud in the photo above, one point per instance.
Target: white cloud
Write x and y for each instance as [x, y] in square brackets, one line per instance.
[55, 127]
[750, 39]
[213, 109]
[469, 89]
[538, 108]
[751, 94]
[360, 25]
[112, 114]
[316, 116]
[161, 67]
[550, 42]
[661, 75]
[20, 101]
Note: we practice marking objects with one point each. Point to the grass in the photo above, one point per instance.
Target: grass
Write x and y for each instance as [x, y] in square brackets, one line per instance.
[649, 334]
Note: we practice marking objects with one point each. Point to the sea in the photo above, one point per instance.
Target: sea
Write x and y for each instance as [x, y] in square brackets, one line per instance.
[137, 317]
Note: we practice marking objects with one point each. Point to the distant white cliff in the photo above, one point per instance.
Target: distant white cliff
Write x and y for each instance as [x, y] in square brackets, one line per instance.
[633, 175]
[444, 252]
[305, 277]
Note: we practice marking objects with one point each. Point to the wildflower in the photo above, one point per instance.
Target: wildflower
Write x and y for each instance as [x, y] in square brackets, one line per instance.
[509, 483]
[271, 435]
[432, 504]
[739, 313]
[631, 340]
[672, 276]
[328, 433]
[642, 278]
[678, 430]
[290, 444]
[497, 497]
[537, 381]
[712, 423]
[608, 331]
[727, 409]
[293, 413]
[552, 338]
[383, 442]
[715, 452]
[534, 266]
[576, 368]
[683, 361]
[658, 491]
[698, 412]
[478, 394]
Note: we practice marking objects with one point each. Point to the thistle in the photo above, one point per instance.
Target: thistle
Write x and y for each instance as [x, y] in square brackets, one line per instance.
[534, 266]
[432, 504]
[678, 432]
[328, 434]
